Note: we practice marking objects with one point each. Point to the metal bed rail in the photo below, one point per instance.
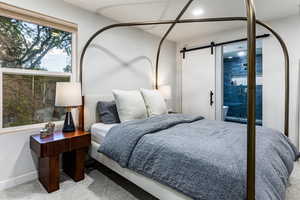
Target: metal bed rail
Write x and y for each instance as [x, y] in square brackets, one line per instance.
[165, 36]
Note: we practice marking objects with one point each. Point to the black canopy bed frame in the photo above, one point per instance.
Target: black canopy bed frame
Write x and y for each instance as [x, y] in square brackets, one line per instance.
[251, 77]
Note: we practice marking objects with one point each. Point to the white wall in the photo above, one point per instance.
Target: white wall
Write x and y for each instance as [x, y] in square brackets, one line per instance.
[273, 64]
[16, 160]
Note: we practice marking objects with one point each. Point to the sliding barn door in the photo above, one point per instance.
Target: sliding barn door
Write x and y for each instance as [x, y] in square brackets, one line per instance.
[198, 83]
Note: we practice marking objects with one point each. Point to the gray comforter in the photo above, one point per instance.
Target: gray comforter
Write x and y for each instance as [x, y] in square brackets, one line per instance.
[203, 159]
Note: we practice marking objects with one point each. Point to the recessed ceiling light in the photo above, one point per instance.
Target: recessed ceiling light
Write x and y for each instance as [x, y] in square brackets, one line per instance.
[198, 11]
[241, 53]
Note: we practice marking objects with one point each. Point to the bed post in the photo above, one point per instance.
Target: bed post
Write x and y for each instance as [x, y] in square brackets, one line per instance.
[251, 121]
[81, 114]
[286, 76]
[165, 36]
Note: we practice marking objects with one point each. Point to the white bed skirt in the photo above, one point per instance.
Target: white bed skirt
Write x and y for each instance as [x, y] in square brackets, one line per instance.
[151, 186]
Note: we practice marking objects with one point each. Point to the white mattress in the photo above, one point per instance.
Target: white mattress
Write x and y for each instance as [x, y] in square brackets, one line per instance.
[99, 131]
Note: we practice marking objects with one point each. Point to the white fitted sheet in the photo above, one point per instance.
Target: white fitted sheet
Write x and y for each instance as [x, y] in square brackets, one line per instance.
[99, 131]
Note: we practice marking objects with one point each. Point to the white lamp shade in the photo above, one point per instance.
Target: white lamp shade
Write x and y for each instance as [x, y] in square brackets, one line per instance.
[68, 94]
[165, 91]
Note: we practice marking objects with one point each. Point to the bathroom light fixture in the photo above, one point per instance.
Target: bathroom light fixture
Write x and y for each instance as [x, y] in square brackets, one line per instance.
[197, 12]
[241, 53]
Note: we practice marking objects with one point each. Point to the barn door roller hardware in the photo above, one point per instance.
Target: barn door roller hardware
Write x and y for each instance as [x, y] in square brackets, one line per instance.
[213, 44]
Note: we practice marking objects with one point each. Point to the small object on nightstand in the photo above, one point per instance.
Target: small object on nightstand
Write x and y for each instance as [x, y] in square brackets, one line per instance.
[43, 133]
[50, 126]
[72, 145]
[48, 130]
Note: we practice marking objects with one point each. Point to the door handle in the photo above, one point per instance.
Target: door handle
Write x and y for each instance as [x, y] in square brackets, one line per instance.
[211, 95]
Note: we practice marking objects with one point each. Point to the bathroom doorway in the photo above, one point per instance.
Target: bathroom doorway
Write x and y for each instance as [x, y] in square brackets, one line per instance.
[235, 82]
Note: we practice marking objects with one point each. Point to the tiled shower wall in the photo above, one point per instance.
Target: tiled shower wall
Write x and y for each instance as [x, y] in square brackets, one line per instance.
[235, 89]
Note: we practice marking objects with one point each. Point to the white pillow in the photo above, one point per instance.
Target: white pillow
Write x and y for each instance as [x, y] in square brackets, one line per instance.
[130, 105]
[154, 101]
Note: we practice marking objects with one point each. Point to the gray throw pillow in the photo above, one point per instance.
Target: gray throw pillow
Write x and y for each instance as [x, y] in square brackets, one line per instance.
[108, 113]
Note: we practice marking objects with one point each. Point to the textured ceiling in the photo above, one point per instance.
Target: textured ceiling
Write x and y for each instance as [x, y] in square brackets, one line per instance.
[145, 10]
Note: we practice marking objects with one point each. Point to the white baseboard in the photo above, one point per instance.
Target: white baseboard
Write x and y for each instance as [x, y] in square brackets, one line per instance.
[18, 180]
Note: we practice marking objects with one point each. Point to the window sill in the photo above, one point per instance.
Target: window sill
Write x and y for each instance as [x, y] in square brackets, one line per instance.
[29, 128]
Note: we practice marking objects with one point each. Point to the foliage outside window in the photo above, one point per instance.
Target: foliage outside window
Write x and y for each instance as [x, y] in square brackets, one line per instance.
[32, 59]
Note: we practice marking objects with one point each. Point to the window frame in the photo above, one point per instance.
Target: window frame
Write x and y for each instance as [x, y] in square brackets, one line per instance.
[44, 20]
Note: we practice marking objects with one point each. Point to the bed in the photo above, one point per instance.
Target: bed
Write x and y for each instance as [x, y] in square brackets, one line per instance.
[130, 142]
[99, 131]
[159, 190]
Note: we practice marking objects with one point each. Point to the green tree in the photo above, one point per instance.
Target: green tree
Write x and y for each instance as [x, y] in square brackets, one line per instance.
[68, 68]
[23, 45]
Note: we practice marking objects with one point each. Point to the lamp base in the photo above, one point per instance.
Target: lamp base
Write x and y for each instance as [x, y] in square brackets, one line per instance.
[69, 123]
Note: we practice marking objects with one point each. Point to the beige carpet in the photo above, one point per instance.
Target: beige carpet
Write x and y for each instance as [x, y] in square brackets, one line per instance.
[97, 186]
[293, 192]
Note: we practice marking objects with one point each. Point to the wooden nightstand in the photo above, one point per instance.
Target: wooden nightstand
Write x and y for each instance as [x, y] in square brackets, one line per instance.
[72, 145]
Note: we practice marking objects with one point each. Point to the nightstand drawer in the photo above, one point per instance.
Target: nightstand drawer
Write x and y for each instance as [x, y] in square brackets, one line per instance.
[54, 148]
[80, 142]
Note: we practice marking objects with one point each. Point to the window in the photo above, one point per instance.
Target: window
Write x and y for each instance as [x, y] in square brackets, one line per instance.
[33, 57]
[29, 99]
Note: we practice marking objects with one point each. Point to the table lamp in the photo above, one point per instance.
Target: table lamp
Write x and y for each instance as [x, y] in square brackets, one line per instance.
[165, 90]
[68, 95]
